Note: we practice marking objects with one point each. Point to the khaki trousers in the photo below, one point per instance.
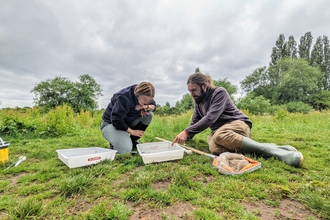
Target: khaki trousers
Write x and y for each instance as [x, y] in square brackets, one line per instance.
[228, 138]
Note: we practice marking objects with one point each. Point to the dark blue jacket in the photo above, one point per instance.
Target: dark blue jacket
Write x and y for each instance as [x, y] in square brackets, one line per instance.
[121, 112]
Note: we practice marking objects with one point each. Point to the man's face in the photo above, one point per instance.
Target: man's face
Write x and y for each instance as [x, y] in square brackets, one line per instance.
[197, 92]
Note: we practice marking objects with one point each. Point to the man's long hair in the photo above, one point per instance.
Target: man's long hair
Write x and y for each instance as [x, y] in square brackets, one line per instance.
[201, 79]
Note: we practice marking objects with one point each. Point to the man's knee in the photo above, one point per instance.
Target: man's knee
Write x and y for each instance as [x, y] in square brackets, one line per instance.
[223, 137]
[228, 139]
[214, 148]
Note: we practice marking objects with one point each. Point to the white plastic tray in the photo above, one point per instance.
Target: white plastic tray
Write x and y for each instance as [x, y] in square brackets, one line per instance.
[159, 152]
[79, 157]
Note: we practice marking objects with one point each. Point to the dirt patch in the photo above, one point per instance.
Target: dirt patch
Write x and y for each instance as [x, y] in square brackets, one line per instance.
[176, 211]
[161, 186]
[288, 209]
[80, 206]
[14, 179]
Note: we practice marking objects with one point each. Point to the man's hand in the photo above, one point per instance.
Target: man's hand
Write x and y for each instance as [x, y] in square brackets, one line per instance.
[181, 138]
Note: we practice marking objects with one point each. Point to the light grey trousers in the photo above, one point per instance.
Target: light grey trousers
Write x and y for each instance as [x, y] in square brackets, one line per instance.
[121, 140]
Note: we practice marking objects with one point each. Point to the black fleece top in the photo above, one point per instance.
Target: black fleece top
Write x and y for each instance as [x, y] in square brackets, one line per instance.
[121, 112]
[214, 111]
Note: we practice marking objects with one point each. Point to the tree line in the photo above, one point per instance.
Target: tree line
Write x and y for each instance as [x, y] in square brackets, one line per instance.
[298, 76]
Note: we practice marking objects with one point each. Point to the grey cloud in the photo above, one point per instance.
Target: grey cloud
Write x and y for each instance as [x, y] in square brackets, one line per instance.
[120, 43]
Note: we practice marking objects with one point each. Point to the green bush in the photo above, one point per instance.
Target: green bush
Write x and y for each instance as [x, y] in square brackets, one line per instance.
[320, 101]
[58, 121]
[17, 122]
[276, 108]
[281, 114]
[258, 105]
[300, 107]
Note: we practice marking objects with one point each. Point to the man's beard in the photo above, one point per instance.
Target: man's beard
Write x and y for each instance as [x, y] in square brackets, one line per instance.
[199, 99]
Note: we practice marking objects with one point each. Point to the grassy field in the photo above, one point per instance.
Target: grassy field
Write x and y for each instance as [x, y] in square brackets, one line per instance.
[43, 187]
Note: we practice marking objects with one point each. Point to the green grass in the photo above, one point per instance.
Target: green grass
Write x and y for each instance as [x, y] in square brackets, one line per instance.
[42, 187]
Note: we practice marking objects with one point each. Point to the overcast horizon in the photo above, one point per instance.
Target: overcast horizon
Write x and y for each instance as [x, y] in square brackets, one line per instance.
[121, 43]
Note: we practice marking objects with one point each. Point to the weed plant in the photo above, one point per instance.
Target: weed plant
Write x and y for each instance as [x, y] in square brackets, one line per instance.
[43, 187]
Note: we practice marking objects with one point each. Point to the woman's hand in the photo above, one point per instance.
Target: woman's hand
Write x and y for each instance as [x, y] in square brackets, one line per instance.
[144, 109]
[138, 133]
[139, 107]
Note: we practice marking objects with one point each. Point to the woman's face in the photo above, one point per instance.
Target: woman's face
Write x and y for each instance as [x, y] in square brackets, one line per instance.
[144, 100]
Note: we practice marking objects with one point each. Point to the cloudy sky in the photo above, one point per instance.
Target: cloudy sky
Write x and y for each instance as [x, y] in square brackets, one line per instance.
[124, 42]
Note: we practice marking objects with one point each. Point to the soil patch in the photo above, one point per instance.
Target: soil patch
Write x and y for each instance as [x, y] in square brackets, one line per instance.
[176, 211]
[161, 186]
[288, 209]
[14, 179]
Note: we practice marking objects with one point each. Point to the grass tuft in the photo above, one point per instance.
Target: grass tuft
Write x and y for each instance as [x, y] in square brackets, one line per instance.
[31, 208]
[74, 185]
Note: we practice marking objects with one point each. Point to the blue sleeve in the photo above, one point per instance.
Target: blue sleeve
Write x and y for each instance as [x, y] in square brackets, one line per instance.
[119, 113]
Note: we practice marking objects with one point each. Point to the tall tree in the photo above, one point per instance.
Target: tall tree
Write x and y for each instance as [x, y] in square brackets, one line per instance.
[305, 46]
[86, 93]
[258, 82]
[291, 48]
[321, 58]
[326, 64]
[297, 81]
[289, 80]
[317, 58]
[52, 92]
[80, 95]
[277, 51]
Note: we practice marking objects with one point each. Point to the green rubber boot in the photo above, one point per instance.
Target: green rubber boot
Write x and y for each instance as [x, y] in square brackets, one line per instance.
[292, 158]
[284, 147]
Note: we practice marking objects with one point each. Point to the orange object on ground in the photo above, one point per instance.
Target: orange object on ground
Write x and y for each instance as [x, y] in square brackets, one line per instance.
[227, 163]
[233, 164]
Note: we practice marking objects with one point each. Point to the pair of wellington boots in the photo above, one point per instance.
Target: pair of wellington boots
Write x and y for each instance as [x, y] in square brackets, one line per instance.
[287, 154]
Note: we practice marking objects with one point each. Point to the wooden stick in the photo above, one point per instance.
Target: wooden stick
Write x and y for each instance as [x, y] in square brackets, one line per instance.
[190, 148]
